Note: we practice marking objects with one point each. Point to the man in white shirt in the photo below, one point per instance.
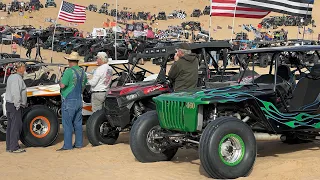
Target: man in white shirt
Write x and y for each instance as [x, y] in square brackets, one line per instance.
[100, 81]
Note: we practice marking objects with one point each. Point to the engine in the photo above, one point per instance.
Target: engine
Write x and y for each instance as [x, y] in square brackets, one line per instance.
[54, 103]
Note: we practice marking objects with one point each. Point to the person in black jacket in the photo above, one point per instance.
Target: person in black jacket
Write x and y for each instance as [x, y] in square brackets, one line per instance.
[29, 49]
[38, 53]
[184, 72]
[140, 49]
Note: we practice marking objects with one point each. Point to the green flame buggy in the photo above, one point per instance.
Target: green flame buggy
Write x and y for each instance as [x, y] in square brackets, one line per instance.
[223, 124]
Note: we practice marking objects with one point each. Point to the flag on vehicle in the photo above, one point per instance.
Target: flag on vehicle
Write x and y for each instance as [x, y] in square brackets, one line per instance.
[229, 8]
[290, 7]
[229, 27]
[72, 12]
[219, 27]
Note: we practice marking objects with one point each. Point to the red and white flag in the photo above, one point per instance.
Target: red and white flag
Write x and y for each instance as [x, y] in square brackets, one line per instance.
[229, 8]
[72, 12]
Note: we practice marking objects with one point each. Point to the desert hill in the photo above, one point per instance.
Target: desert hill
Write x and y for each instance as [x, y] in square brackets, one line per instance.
[96, 20]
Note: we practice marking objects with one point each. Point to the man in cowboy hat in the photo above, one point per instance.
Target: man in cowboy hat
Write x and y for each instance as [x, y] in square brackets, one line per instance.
[100, 81]
[72, 85]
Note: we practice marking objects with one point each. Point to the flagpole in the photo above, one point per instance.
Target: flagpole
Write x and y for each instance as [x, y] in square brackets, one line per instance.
[54, 30]
[115, 33]
[210, 24]
[304, 26]
[233, 20]
[210, 20]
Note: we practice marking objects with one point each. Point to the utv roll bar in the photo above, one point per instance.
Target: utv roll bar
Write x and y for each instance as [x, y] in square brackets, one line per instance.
[276, 51]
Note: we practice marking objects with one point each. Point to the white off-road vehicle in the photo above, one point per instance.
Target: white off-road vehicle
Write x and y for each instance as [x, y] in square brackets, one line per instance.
[42, 117]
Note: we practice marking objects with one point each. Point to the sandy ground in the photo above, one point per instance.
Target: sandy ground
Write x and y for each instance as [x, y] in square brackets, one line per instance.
[275, 160]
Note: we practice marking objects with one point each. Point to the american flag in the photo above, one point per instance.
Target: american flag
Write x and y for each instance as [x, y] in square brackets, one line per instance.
[227, 8]
[301, 8]
[72, 12]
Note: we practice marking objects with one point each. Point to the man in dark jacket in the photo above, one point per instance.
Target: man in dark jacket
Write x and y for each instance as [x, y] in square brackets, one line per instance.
[184, 71]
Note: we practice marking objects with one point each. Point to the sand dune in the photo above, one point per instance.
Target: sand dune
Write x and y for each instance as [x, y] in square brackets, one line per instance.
[96, 19]
[275, 160]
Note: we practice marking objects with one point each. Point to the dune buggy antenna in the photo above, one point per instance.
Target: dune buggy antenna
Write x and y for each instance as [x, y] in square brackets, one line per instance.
[275, 70]
[115, 33]
[251, 57]
[304, 24]
[54, 30]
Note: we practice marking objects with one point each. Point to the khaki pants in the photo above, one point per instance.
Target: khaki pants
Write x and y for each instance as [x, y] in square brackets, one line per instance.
[97, 100]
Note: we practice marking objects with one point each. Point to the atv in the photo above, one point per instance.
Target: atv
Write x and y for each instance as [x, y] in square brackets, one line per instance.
[104, 8]
[61, 45]
[124, 104]
[206, 10]
[74, 42]
[196, 13]
[84, 47]
[162, 16]
[263, 59]
[191, 25]
[242, 36]
[223, 124]
[92, 7]
[309, 57]
[3, 6]
[36, 3]
[50, 3]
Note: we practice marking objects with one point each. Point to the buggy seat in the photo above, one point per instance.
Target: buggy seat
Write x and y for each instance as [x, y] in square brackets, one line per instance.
[306, 93]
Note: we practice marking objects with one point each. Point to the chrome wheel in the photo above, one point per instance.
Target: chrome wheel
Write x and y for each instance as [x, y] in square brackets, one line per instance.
[40, 126]
[231, 149]
[153, 138]
[107, 131]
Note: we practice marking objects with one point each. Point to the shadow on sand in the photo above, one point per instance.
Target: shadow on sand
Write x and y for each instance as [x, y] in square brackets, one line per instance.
[274, 148]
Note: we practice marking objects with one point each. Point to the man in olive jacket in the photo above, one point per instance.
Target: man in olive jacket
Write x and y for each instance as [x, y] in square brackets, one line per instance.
[184, 71]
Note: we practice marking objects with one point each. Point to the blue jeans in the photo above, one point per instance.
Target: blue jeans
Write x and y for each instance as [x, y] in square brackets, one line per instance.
[72, 121]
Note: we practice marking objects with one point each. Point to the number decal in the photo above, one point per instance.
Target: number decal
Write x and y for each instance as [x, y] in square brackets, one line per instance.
[190, 105]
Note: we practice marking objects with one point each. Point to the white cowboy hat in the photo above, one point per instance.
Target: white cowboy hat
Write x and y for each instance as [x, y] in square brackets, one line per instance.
[74, 56]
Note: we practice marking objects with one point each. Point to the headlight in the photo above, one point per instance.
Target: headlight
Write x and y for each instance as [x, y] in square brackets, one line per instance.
[131, 96]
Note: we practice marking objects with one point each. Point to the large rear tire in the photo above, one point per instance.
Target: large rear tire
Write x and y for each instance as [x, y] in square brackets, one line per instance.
[40, 127]
[99, 131]
[227, 148]
[143, 146]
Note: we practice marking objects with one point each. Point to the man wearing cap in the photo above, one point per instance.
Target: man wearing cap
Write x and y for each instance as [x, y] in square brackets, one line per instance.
[100, 81]
[16, 99]
[184, 72]
[72, 85]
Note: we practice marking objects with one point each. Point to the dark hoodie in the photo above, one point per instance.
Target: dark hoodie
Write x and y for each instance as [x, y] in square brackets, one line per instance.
[184, 73]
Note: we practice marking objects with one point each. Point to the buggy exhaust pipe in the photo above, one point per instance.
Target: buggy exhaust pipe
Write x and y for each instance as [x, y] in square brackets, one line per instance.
[267, 137]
